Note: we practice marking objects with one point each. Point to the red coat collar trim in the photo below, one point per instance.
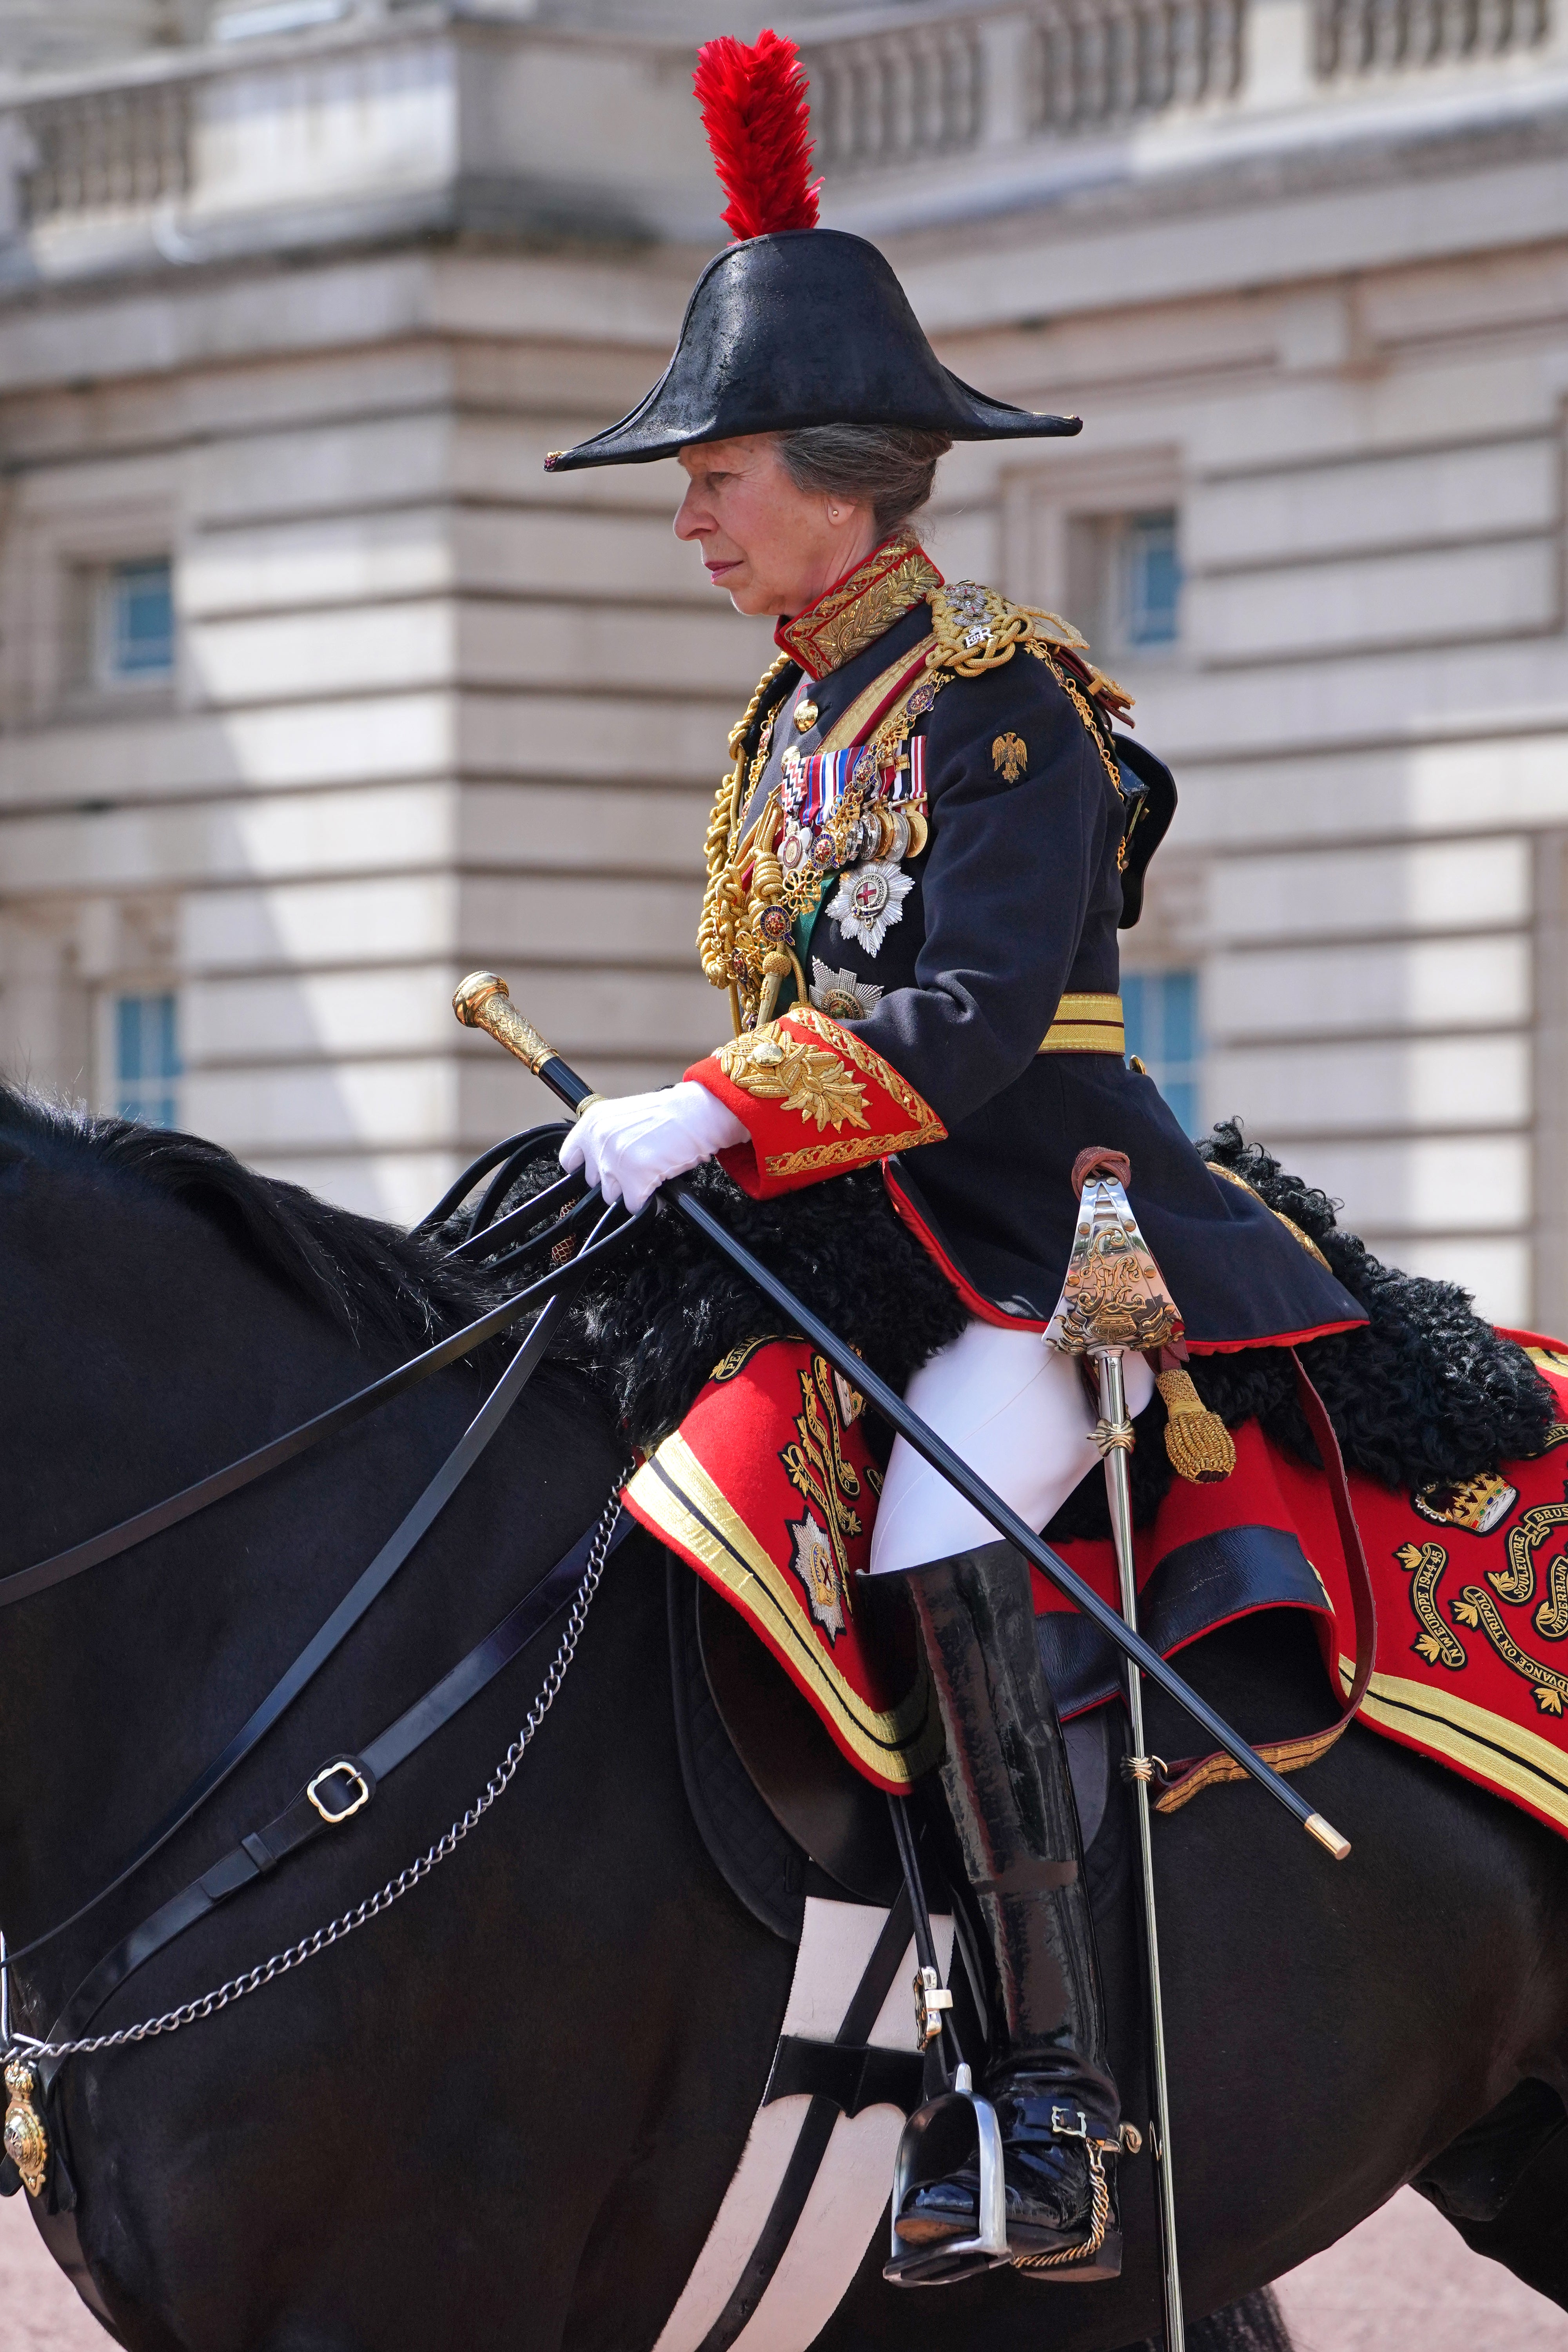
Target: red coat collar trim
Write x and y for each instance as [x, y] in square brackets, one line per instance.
[848, 617]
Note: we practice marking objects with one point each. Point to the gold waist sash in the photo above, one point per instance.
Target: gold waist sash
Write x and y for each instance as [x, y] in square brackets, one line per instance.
[1085, 1024]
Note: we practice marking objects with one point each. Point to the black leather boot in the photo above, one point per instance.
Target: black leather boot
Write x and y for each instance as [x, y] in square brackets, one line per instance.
[1007, 1788]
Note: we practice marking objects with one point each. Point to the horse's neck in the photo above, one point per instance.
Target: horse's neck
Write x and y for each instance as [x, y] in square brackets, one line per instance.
[140, 1374]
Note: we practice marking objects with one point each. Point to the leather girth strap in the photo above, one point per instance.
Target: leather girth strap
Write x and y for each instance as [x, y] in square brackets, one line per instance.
[1192, 1774]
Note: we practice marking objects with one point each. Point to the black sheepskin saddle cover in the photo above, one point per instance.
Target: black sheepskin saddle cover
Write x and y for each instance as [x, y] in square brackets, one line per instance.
[1425, 1391]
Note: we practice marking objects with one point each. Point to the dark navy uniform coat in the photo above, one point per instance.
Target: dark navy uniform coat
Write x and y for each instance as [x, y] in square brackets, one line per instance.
[1015, 903]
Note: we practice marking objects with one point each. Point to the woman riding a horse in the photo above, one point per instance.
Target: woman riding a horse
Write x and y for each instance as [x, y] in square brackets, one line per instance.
[917, 871]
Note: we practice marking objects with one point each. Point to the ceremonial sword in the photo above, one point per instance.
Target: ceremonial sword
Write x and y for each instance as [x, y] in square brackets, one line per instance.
[1114, 1298]
[483, 1002]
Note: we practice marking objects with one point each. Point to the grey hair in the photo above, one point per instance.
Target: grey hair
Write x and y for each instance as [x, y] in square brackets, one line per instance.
[892, 466]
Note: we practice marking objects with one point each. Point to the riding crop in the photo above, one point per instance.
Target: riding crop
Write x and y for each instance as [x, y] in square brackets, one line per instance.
[483, 1002]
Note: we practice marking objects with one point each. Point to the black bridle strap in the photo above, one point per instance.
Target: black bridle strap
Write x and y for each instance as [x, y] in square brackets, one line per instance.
[23, 1582]
[510, 1146]
[358, 1776]
[365, 1589]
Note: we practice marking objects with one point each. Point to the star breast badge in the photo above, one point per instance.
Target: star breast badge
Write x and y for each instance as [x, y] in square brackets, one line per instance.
[840, 994]
[818, 1572]
[869, 900]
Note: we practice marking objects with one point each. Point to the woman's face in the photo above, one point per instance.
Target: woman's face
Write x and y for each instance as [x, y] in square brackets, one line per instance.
[771, 547]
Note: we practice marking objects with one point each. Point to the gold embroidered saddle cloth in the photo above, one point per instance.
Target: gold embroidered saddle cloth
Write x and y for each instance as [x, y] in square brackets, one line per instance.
[769, 1491]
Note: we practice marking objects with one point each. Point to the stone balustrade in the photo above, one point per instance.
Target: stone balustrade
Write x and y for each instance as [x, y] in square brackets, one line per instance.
[1356, 38]
[107, 151]
[916, 93]
[363, 119]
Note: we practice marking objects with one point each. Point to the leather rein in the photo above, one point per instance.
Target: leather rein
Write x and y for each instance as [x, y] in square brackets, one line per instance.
[568, 1217]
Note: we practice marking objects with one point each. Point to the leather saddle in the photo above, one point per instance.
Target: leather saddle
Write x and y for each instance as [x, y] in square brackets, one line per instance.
[782, 1813]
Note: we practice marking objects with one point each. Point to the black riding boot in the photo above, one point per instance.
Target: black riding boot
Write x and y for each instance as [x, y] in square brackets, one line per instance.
[1007, 1788]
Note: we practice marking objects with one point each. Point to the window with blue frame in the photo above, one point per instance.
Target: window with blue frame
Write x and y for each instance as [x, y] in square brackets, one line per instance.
[135, 622]
[1161, 1013]
[1147, 579]
[146, 1058]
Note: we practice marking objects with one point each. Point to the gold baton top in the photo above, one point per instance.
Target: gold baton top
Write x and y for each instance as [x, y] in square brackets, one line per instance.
[484, 1001]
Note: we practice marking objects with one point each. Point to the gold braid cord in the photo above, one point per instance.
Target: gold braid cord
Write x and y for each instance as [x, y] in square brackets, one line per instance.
[724, 907]
[744, 938]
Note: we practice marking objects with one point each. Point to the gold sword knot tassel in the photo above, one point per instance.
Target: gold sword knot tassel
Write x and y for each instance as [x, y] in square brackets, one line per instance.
[26, 2140]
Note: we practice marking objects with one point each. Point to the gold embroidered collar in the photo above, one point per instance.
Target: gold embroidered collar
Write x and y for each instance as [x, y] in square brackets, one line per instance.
[851, 617]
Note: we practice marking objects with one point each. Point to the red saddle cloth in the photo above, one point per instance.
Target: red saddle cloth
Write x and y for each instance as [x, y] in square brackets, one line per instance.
[769, 1490]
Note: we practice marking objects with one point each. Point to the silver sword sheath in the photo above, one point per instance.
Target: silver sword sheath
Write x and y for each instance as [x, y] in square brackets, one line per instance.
[1115, 1298]
[1114, 1437]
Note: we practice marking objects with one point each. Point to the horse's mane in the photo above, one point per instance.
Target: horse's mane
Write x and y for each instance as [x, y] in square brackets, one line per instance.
[366, 1276]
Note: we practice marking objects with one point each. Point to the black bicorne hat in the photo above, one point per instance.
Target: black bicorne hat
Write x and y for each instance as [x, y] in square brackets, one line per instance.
[799, 325]
[809, 327]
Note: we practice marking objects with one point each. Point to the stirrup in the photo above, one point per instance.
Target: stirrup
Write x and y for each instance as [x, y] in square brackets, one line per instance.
[954, 2258]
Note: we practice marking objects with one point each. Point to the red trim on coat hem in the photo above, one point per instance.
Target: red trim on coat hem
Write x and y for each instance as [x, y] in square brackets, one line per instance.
[985, 1308]
[1275, 1339]
[987, 1311]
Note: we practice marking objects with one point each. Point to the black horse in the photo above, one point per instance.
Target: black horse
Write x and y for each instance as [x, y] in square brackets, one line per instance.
[504, 2114]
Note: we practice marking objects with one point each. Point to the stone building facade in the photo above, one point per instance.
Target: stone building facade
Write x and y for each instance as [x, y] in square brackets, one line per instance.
[316, 692]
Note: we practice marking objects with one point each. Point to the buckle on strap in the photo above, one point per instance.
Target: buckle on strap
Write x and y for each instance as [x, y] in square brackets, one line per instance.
[359, 1791]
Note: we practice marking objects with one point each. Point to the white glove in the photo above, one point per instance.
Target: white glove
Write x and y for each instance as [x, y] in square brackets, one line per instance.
[629, 1147]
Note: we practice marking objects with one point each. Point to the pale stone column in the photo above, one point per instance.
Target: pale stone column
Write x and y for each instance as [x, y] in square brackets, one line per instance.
[1278, 72]
[1004, 43]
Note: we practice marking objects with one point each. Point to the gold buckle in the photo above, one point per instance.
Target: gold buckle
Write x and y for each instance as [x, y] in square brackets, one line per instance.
[330, 1772]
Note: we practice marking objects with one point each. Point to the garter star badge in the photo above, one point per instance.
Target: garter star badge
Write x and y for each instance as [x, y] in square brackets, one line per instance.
[869, 901]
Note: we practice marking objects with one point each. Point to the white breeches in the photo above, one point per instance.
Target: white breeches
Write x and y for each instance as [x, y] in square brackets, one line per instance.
[1019, 1415]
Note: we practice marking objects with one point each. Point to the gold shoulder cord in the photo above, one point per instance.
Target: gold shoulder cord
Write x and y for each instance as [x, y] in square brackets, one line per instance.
[723, 901]
[977, 631]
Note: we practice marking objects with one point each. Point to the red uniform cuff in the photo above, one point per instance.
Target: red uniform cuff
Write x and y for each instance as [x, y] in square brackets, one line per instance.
[815, 1100]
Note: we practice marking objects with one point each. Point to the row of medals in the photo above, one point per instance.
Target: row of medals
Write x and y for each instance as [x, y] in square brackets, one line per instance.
[879, 833]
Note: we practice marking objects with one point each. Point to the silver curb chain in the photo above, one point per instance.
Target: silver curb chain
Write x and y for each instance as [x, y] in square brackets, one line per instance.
[280, 1963]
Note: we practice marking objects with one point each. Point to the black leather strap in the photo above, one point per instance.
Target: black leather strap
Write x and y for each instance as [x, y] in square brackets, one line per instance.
[366, 1589]
[344, 1787]
[853, 2076]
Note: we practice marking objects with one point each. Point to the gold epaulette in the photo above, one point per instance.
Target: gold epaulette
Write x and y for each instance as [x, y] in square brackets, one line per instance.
[977, 630]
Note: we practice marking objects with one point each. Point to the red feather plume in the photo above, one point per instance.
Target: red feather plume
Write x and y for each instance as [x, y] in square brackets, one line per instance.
[756, 110]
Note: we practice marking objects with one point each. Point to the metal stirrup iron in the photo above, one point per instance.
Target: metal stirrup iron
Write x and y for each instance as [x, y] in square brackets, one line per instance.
[960, 2257]
[1115, 1298]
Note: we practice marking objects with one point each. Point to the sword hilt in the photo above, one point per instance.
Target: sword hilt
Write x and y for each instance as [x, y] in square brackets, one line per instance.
[484, 1001]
